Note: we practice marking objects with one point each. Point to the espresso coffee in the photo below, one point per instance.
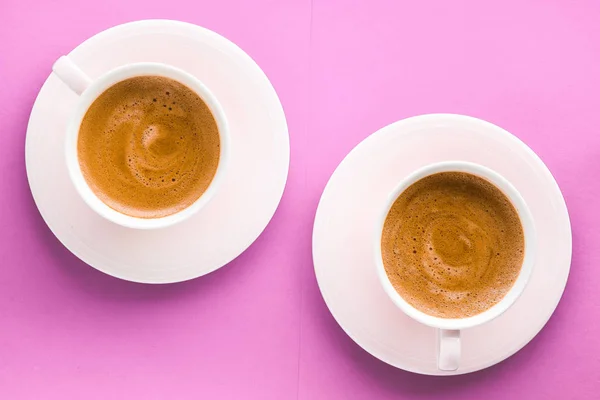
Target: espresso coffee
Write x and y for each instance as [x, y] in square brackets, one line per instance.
[452, 245]
[148, 147]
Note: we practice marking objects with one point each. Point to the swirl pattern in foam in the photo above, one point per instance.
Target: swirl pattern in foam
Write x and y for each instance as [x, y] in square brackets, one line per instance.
[148, 147]
[452, 245]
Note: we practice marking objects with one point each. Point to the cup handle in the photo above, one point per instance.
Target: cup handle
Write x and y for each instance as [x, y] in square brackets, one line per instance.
[71, 75]
[448, 349]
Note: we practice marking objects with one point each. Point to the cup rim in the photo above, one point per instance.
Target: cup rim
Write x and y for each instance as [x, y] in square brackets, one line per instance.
[526, 220]
[93, 91]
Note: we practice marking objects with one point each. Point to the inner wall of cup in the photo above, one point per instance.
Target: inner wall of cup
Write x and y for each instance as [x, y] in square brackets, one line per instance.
[529, 236]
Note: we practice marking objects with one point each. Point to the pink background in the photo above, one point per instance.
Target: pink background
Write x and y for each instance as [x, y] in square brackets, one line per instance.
[258, 328]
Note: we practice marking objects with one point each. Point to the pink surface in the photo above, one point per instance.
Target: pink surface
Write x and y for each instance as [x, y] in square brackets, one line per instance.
[258, 328]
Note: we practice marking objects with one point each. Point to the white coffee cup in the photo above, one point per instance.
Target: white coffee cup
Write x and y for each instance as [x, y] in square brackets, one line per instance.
[89, 90]
[449, 345]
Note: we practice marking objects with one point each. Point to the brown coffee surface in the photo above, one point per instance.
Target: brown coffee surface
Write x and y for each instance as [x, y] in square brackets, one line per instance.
[148, 147]
[452, 245]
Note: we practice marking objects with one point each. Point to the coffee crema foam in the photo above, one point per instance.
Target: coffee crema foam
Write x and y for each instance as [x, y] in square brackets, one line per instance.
[148, 147]
[452, 245]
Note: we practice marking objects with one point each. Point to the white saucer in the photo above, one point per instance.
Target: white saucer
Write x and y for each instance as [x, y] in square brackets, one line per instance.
[344, 229]
[238, 213]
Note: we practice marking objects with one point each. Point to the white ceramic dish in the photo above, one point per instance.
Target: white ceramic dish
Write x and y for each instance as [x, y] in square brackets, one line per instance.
[343, 240]
[247, 197]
